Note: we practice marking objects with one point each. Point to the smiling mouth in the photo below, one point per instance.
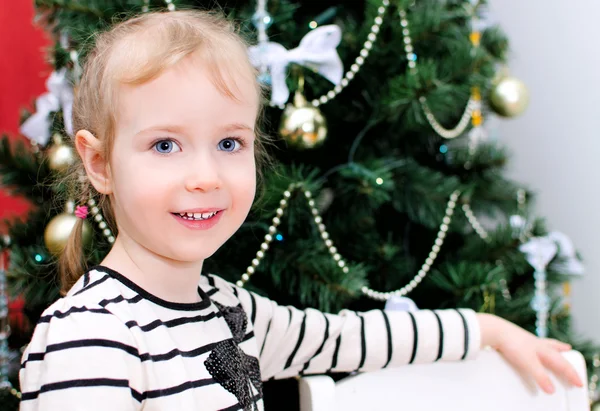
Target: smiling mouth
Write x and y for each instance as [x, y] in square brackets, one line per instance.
[197, 216]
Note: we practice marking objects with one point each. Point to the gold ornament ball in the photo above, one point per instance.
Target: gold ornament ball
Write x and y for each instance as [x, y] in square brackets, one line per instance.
[59, 229]
[303, 126]
[595, 406]
[509, 97]
[60, 157]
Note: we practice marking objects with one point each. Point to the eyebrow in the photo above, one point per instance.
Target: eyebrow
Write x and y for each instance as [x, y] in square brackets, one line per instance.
[166, 127]
[237, 127]
[178, 129]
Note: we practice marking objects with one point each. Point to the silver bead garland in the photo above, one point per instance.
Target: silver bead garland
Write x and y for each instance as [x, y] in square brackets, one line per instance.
[463, 123]
[273, 231]
[99, 219]
[435, 249]
[373, 294]
[376, 295]
[358, 61]
[525, 234]
[593, 385]
[483, 234]
[474, 222]
[504, 288]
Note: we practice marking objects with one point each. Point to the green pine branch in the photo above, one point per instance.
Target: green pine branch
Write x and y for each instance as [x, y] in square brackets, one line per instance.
[22, 172]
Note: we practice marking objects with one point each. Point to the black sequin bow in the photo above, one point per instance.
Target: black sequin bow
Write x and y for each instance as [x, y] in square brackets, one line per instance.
[230, 366]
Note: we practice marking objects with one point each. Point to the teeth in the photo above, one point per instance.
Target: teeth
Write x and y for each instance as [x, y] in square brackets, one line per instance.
[197, 216]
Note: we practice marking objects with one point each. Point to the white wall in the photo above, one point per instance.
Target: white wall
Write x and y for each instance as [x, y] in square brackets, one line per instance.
[556, 143]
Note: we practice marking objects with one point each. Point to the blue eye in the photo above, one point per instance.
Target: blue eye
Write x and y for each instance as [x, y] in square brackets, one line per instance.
[229, 144]
[166, 147]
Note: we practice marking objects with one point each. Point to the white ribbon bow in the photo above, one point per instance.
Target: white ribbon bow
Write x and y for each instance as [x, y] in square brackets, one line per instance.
[397, 303]
[540, 251]
[60, 95]
[317, 51]
[567, 256]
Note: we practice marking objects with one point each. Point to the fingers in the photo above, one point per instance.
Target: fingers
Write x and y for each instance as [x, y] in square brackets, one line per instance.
[541, 377]
[531, 366]
[558, 345]
[555, 362]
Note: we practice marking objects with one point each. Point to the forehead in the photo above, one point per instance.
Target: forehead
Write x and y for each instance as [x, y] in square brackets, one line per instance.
[194, 92]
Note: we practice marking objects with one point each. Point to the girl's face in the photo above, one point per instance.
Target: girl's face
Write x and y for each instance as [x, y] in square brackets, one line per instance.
[182, 172]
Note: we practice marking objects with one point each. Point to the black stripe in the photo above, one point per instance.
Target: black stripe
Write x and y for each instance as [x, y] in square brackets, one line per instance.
[34, 356]
[253, 313]
[201, 305]
[92, 285]
[415, 338]
[235, 292]
[298, 343]
[174, 322]
[389, 338]
[109, 382]
[95, 342]
[118, 299]
[175, 352]
[441, 343]
[289, 319]
[325, 337]
[62, 385]
[212, 292]
[363, 343]
[211, 280]
[165, 392]
[137, 395]
[92, 342]
[266, 335]
[466, 335]
[127, 348]
[86, 279]
[338, 342]
[72, 310]
[248, 336]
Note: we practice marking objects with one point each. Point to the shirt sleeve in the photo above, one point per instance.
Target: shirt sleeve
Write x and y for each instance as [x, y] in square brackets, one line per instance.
[294, 342]
[81, 358]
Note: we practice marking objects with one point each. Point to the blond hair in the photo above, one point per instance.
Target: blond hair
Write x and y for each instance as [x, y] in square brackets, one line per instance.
[134, 52]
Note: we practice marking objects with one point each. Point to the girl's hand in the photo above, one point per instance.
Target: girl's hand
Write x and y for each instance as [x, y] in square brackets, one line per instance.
[531, 355]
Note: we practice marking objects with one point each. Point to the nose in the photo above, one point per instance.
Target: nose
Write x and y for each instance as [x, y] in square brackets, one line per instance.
[203, 174]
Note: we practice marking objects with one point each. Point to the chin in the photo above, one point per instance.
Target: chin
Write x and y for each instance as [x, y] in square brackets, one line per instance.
[189, 254]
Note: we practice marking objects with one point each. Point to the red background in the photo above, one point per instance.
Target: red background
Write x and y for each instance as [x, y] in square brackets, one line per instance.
[23, 74]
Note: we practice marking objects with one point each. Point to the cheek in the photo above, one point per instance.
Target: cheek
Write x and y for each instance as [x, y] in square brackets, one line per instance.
[242, 179]
[138, 185]
[248, 190]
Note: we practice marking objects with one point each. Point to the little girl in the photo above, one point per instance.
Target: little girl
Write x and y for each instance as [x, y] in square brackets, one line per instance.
[167, 113]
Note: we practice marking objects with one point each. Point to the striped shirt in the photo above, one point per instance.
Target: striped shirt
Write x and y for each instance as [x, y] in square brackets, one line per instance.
[110, 345]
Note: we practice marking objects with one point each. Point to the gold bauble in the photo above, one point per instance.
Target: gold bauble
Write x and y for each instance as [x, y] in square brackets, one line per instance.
[509, 97]
[59, 229]
[60, 156]
[303, 125]
[595, 406]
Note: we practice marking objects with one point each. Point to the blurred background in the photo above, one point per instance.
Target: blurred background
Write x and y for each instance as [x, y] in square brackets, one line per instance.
[554, 144]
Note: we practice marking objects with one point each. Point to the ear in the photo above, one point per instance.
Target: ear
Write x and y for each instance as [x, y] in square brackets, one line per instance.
[96, 166]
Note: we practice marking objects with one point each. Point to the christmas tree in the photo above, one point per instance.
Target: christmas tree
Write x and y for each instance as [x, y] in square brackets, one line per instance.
[384, 186]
